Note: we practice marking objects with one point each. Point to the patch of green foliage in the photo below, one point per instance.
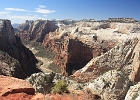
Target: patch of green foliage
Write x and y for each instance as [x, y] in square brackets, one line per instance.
[60, 87]
[42, 52]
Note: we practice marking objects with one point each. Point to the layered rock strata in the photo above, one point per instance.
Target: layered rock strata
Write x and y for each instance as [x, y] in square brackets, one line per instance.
[73, 50]
[17, 89]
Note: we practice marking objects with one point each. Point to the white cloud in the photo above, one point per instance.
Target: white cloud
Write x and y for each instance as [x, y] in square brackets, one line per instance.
[45, 15]
[42, 10]
[3, 12]
[30, 15]
[21, 19]
[42, 6]
[15, 9]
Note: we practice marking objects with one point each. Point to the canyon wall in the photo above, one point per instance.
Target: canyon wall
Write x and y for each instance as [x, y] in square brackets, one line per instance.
[35, 30]
[11, 47]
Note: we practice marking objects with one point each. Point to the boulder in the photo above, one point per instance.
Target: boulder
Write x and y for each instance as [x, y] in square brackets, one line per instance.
[43, 82]
[16, 89]
[133, 93]
[11, 85]
[112, 85]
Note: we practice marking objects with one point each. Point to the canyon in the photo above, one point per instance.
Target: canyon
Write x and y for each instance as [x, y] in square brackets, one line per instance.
[97, 60]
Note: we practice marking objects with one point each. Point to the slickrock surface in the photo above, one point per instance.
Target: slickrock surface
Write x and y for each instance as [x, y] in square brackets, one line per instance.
[17, 89]
[112, 85]
[36, 30]
[135, 74]
[133, 93]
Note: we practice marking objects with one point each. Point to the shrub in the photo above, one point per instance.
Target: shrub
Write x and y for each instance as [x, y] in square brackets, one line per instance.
[60, 87]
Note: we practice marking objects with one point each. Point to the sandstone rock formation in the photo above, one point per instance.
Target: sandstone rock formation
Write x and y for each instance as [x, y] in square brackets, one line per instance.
[135, 74]
[95, 25]
[11, 45]
[125, 28]
[36, 30]
[43, 82]
[119, 57]
[112, 85]
[133, 93]
[15, 89]
[74, 48]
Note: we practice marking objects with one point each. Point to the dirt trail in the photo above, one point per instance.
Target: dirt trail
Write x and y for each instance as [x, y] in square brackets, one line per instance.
[44, 62]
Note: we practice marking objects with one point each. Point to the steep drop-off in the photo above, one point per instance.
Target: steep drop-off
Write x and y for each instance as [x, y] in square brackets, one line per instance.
[11, 45]
[74, 49]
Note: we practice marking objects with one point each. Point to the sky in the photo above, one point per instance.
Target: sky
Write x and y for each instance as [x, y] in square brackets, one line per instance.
[20, 10]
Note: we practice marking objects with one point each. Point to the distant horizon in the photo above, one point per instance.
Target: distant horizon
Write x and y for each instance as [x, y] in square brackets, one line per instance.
[71, 19]
[19, 11]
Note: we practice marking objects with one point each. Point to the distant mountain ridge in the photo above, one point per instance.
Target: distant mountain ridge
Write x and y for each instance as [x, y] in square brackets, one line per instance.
[15, 25]
[35, 30]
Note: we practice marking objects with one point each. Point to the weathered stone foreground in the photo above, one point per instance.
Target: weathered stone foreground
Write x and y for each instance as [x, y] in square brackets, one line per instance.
[17, 89]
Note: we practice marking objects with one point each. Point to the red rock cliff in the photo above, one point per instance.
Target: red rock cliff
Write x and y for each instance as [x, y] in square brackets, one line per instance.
[73, 53]
[35, 30]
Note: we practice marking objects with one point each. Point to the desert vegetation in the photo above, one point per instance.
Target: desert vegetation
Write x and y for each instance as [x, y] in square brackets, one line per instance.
[60, 87]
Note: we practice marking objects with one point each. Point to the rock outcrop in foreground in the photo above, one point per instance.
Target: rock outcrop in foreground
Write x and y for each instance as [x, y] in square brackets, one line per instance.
[36, 30]
[43, 83]
[133, 93]
[112, 85]
[17, 89]
[15, 59]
